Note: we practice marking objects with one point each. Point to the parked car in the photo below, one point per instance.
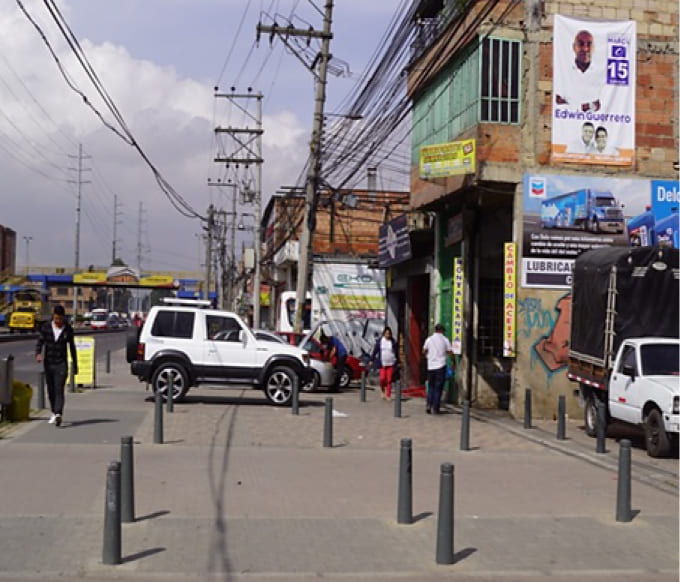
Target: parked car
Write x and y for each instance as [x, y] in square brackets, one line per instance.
[323, 372]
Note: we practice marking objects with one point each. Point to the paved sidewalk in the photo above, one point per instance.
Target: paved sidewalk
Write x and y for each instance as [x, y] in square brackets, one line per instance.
[245, 491]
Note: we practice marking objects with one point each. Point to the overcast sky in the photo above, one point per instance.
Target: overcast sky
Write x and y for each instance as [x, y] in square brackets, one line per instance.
[159, 60]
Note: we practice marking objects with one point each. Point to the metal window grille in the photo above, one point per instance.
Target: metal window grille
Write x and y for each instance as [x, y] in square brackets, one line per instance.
[500, 80]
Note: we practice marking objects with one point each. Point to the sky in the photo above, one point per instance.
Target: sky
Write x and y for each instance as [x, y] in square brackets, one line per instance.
[160, 61]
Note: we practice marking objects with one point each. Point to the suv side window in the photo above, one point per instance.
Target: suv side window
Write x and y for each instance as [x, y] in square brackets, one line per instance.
[221, 328]
[177, 324]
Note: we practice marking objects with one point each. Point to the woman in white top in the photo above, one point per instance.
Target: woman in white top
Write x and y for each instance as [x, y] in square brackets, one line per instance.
[385, 357]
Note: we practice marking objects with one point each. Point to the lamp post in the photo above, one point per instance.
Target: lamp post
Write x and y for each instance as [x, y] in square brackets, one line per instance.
[28, 240]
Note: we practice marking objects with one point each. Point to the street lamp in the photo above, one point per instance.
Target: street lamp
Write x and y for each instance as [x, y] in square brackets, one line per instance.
[28, 240]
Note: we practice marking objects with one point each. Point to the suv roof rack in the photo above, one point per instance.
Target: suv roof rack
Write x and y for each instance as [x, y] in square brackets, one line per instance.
[187, 302]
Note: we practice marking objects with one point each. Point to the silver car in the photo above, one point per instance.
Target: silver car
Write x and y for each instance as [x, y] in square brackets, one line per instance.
[323, 372]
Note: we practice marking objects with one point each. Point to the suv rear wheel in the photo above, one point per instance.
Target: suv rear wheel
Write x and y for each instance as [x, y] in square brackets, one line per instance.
[167, 371]
[278, 387]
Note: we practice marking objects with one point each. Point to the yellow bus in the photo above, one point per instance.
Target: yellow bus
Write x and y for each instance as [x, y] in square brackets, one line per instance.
[30, 309]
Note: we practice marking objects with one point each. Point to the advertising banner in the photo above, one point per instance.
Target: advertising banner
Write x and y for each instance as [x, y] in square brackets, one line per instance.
[447, 159]
[86, 361]
[594, 75]
[510, 300]
[658, 224]
[457, 315]
[566, 215]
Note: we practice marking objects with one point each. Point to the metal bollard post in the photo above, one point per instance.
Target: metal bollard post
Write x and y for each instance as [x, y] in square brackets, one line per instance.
[127, 481]
[158, 419]
[41, 391]
[465, 427]
[295, 404]
[362, 392]
[72, 381]
[405, 491]
[397, 398]
[108, 361]
[169, 393]
[111, 550]
[561, 414]
[445, 516]
[527, 408]
[601, 427]
[328, 424]
[623, 506]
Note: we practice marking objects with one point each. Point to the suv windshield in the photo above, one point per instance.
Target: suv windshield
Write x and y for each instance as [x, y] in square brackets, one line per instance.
[660, 359]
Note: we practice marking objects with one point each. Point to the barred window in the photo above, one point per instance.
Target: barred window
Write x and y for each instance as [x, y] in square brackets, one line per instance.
[500, 81]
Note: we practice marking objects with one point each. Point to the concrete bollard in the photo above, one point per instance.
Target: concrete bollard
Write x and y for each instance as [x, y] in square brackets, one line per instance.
[465, 427]
[111, 549]
[405, 491]
[527, 408]
[169, 400]
[624, 511]
[158, 418]
[561, 418]
[362, 391]
[445, 516]
[396, 386]
[108, 361]
[295, 401]
[41, 391]
[127, 480]
[328, 424]
[601, 446]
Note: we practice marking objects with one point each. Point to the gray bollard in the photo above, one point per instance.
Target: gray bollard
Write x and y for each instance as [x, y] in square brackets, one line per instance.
[561, 418]
[72, 381]
[111, 550]
[328, 424]
[527, 408]
[41, 391]
[127, 480]
[624, 511]
[169, 400]
[108, 361]
[445, 516]
[601, 427]
[405, 491]
[362, 391]
[158, 419]
[295, 404]
[397, 398]
[465, 427]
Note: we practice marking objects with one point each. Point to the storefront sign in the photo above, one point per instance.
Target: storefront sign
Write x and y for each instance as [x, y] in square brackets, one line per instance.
[454, 230]
[394, 244]
[447, 159]
[510, 301]
[457, 318]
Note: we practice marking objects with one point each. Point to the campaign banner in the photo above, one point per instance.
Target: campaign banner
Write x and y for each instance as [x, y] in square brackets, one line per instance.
[447, 159]
[457, 314]
[510, 301]
[594, 77]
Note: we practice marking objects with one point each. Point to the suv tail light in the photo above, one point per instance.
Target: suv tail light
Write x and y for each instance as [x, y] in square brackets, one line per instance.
[140, 351]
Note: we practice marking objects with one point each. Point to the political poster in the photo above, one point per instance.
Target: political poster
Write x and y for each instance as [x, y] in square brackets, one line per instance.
[594, 73]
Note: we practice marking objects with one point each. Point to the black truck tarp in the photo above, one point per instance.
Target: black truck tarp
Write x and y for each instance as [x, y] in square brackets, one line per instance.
[646, 300]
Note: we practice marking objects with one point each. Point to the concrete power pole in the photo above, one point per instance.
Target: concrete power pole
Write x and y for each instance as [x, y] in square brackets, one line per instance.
[314, 170]
[116, 222]
[80, 183]
[208, 250]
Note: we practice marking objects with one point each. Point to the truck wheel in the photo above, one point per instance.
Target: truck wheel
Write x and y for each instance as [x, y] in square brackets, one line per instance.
[313, 385]
[590, 416]
[656, 437]
[161, 379]
[278, 387]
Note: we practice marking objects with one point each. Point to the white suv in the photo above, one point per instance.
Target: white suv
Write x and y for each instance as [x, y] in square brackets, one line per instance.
[189, 344]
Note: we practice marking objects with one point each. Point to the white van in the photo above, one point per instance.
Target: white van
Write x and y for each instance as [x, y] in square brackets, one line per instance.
[100, 319]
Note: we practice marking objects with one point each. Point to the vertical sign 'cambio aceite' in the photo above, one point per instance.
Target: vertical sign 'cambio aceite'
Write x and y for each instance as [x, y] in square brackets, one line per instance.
[457, 315]
[510, 300]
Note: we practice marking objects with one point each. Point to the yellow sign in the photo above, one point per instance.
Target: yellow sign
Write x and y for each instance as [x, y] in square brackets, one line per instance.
[86, 362]
[510, 301]
[353, 302]
[86, 277]
[447, 159]
[457, 316]
[157, 281]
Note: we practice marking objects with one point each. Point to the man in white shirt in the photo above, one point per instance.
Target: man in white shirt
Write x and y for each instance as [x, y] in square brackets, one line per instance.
[436, 348]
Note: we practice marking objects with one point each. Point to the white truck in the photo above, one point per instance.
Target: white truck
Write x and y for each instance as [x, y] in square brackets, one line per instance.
[624, 349]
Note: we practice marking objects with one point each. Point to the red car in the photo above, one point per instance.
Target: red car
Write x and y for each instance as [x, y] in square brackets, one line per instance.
[353, 366]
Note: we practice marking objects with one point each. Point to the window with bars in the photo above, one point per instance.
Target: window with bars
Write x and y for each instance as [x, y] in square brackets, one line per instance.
[499, 80]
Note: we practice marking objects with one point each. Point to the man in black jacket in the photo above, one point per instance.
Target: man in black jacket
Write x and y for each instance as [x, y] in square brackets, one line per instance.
[55, 336]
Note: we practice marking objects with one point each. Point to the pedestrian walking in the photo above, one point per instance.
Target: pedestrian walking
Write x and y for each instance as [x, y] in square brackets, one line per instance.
[436, 348]
[337, 350]
[385, 358]
[54, 338]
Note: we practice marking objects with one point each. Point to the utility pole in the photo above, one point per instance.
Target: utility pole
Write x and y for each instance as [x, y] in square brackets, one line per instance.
[314, 170]
[116, 222]
[27, 240]
[140, 250]
[80, 183]
[243, 152]
[208, 250]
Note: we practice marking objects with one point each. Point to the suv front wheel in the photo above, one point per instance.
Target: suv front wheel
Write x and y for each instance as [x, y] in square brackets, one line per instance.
[278, 387]
[167, 371]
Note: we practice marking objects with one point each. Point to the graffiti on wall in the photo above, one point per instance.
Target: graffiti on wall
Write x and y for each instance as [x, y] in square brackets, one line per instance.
[532, 317]
[552, 349]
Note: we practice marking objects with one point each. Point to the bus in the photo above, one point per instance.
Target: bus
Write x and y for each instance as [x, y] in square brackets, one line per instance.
[30, 309]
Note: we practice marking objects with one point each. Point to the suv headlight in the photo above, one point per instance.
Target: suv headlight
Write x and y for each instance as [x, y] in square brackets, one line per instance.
[676, 404]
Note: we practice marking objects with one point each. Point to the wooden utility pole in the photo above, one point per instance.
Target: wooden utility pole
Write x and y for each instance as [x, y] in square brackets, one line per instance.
[314, 170]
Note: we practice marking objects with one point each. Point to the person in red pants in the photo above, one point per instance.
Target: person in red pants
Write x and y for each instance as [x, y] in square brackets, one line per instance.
[385, 358]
